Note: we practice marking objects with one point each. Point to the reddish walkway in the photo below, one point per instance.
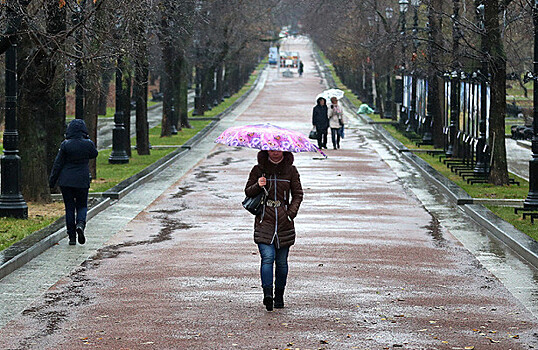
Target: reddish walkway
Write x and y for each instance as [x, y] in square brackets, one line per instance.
[371, 269]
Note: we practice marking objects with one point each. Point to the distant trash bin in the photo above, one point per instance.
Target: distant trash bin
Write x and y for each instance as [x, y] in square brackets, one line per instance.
[365, 109]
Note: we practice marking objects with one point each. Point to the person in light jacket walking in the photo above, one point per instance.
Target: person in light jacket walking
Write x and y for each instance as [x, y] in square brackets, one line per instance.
[336, 121]
[71, 172]
[274, 230]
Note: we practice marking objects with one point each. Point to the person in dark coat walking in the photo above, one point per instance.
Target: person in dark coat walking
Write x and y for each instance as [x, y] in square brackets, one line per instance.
[274, 231]
[321, 121]
[72, 173]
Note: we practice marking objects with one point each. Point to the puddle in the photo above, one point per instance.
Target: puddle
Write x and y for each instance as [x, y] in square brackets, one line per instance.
[183, 191]
[205, 175]
[434, 230]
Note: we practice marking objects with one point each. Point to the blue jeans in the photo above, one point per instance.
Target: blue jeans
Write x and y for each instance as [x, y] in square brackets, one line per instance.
[270, 255]
[75, 200]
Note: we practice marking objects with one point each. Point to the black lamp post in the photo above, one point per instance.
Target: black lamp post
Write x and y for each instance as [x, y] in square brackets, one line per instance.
[531, 202]
[482, 159]
[454, 84]
[12, 203]
[404, 6]
[119, 154]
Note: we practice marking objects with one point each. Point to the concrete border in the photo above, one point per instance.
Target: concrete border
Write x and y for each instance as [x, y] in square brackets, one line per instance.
[31, 246]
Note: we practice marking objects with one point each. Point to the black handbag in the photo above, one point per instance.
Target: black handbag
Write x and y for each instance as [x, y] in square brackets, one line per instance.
[255, 204]
[313, 134]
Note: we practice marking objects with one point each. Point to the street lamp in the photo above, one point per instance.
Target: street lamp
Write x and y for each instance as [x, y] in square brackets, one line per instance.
[482, 160]
[531, 202]
[119, 154]
[404, 6]
[12, 203]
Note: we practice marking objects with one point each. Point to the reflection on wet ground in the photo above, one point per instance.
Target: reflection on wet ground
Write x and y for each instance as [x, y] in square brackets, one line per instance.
[519, 277]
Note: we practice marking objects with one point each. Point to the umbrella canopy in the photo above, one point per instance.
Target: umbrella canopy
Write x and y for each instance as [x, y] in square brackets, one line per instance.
[266, 137]
[328, 94]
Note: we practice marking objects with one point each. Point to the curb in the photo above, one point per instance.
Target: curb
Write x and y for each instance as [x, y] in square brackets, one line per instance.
[31, 246]
[517, 241]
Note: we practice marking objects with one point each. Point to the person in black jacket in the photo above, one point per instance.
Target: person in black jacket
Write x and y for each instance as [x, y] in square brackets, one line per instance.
[72, 173]
[321, 121]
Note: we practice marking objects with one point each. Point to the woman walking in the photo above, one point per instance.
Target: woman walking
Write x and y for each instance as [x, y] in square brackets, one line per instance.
[336, 121]
[72, 173]
[274, 231]
[321, 121]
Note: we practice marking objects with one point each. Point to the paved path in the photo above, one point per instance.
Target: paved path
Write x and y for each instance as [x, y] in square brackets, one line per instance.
[518, 158]
[371, 269]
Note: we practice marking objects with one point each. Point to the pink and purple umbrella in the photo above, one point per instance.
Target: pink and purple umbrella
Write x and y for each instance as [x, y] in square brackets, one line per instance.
[267, 137]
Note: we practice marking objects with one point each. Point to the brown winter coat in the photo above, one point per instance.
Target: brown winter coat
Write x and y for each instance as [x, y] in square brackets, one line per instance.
[275, 224]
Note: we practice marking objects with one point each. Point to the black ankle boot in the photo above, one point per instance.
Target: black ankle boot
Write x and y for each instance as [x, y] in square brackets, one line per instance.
[72, 238]
[80, 233]
[279, 298]
[268, 298]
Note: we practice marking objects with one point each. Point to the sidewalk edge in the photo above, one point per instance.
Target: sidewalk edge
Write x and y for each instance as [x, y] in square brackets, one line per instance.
[47, 242]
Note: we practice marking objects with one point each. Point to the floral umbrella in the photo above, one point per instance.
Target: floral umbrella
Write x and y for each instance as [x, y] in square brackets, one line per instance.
[328, 94]
[267, 137]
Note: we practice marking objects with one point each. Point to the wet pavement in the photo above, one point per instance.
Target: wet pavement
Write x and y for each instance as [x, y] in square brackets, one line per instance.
[381, 260]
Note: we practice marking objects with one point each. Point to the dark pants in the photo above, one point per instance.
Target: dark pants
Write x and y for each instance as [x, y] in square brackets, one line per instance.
[322, 137]
[335, 135]
[75, 200]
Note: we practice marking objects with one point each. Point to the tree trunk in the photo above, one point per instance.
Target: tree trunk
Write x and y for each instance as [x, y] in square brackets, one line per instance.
[91, 105]
[106, 78]
[141, 90]
[176, 81]
[183, 94]
[435, 83]
[35, 77]
[41, 108]
[55, 123]
[167, 89]
[126, 103]
[497, 65]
